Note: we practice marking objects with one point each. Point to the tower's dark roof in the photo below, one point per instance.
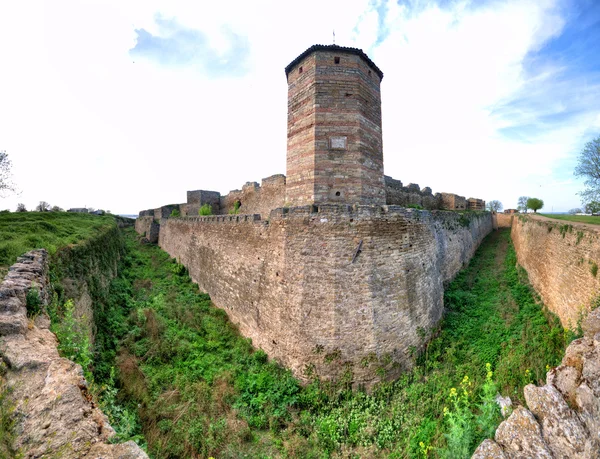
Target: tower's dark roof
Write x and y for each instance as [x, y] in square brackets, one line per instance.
[342, 49]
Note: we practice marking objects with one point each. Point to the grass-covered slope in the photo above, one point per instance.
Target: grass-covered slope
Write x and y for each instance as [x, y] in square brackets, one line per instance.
[594, 220]
[24, 231]
[201, 390]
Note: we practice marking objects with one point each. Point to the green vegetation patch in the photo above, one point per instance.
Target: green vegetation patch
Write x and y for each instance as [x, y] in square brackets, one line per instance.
[200, 389]
[595, 220]
[24, 231]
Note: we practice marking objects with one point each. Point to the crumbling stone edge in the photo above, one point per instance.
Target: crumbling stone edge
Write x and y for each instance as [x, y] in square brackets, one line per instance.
[563, 419]
[54, 413]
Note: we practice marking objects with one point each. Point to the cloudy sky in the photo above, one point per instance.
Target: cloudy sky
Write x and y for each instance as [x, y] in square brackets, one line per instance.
[125, 105]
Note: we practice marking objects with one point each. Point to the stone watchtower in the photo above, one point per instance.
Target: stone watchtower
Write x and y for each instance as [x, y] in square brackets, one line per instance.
[334, 146]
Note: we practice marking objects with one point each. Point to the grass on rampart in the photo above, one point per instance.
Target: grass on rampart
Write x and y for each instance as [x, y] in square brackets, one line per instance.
[24, 231]
[594, 220]
[201, 390]
[21, 232]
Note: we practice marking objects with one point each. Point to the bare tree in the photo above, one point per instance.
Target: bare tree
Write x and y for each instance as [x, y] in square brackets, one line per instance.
[6, 185]
[57, 209]
[494, 206]
[43, 206]
[522, 203]
[588, 168]
[21, 207]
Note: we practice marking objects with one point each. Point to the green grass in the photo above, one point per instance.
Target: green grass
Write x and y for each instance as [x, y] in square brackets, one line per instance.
[200, 389]
[21, 232]
[595, 220]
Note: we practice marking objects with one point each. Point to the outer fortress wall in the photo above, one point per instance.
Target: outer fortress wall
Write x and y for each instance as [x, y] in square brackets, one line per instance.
[330, 289]
[560, 260]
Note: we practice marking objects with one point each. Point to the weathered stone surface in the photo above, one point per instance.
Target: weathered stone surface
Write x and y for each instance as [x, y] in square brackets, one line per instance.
[591, 324]
[128, 450]
[588, 406]
[354, 281]
[566, 379]
[520, 436]
[489, 449]
[561, 428]
[54, 414]
[559, 259]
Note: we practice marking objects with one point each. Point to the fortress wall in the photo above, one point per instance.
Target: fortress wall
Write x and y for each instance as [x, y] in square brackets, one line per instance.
[559, 259]
[147, 227]
[398, 195]
[255, 198]
[292, 285]
[504, 220]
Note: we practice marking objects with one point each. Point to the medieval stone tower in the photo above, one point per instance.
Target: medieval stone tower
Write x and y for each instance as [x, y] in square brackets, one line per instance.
[334, 147]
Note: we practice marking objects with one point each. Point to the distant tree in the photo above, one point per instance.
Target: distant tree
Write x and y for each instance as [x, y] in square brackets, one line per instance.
[21, 207]
[494, 206]
[43, 206]
[588, 167]
[577, 210]
[6, 185]
[592, 207]
[522, 203]
[57, 209]
[535, 204]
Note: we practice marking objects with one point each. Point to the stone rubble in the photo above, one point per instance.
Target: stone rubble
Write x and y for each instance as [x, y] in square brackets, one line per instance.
[54, 412]
[563, 419]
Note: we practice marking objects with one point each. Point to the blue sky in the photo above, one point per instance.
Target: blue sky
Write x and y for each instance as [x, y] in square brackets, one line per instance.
[126, 105]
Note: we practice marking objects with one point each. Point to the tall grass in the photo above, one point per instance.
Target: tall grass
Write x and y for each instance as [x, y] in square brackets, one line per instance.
[24, 231]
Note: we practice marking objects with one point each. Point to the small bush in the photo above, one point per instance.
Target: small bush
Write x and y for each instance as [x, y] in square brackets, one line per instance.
[594, 269]
[175, 213]
[236, 208]
[73, 340]
[205, 210]
[33, 302]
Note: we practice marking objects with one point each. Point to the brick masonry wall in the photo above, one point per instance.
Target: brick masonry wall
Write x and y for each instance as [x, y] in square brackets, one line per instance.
[294, 285]
[559, 262]
[335, 151]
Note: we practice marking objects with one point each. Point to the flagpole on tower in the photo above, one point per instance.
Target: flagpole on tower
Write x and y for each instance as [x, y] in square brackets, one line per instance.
[334, 36]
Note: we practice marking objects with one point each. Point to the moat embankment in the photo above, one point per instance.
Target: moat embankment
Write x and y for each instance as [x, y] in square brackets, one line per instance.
[562, 261]
[201, 389]
[48, 408]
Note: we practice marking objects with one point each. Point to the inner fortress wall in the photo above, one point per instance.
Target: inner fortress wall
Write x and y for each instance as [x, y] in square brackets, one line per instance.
[560, 260]
[355, 283]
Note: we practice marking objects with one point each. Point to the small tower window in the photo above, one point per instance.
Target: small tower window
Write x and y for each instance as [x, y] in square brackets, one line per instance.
[337, 193]
[336, 59]
[300, 70]
[369, 73]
